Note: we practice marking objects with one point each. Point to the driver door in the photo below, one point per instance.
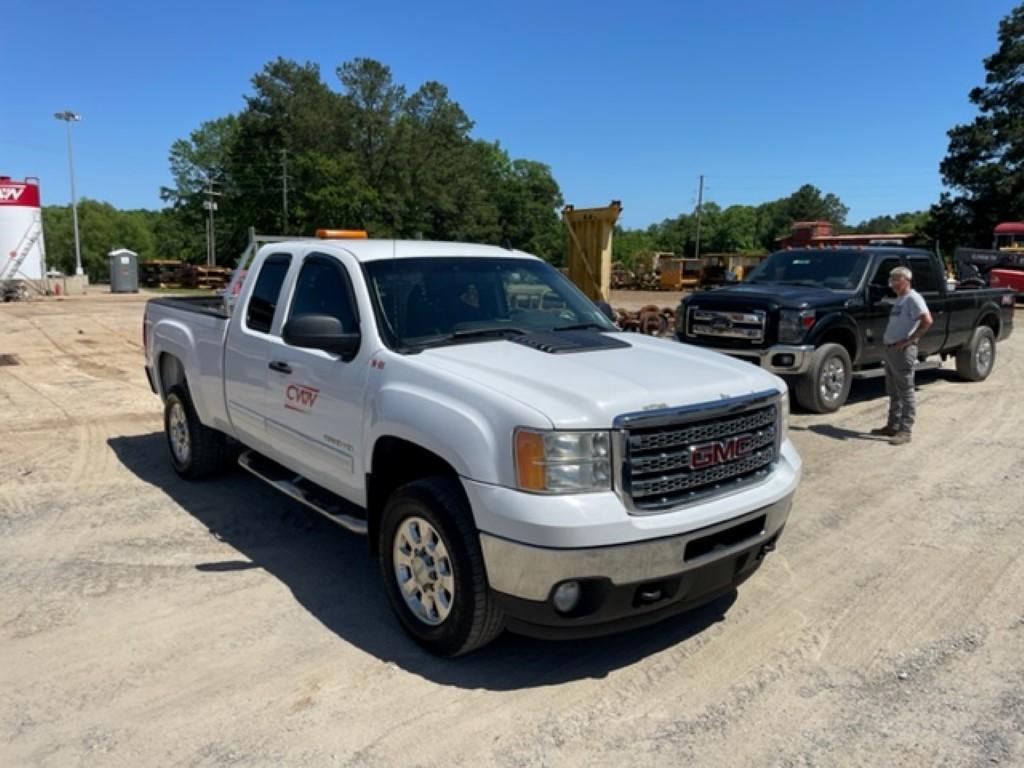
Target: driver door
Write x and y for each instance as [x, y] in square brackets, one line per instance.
[876, 316]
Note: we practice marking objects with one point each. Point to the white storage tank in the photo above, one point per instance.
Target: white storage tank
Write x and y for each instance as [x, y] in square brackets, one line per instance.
[22, 255]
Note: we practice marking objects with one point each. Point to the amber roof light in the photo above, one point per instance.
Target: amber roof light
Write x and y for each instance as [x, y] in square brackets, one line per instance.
[342, 234]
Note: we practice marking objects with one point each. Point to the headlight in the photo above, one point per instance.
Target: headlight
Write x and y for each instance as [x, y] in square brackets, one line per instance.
[783, 414]
[563, 462]
[793, 324]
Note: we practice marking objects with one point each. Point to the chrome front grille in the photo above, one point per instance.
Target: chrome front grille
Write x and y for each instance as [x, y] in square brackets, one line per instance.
[726, 324]
[674, 457]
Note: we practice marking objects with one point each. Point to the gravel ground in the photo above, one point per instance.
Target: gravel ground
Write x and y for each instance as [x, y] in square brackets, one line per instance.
[148, 621]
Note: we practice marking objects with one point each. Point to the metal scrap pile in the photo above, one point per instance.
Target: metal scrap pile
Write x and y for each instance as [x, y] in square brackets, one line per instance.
[650, 320]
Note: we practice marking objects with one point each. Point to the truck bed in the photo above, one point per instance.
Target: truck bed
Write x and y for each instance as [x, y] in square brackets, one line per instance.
[205, 305]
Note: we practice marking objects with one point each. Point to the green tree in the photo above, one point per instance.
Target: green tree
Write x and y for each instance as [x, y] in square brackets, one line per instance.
[102, 228]
[809, 204]
[371, 156]
[984, 165]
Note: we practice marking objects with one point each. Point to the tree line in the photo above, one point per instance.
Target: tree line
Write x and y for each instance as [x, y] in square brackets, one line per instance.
[370, 154]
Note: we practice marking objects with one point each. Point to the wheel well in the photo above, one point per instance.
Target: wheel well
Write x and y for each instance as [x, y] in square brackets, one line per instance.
[843, 337]
[172, 373]
[396, 462]
[992, 321]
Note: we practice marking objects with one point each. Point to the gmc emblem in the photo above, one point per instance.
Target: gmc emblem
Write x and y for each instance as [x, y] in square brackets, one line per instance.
[706, 455]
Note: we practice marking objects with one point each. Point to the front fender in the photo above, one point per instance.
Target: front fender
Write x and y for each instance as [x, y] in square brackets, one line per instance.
[830, 324]
[472, 434]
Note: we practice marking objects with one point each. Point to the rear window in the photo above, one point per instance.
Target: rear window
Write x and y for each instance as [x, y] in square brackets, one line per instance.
[260, 314]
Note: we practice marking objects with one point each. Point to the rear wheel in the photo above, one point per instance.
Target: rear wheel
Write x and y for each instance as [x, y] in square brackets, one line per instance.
[826, 385]
[197, 451]
[433, 568]
[975, 361]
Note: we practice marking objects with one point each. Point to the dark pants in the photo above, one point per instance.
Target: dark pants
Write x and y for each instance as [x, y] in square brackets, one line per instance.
[899, 385]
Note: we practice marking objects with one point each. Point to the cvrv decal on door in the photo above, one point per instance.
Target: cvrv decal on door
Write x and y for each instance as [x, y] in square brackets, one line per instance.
[300, 397]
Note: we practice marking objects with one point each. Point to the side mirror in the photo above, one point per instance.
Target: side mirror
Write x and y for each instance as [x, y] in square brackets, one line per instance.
[606, 310]
[877, 293]
[321, 332]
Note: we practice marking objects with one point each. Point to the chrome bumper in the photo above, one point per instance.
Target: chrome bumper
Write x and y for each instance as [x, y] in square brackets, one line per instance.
[768, 358]
[530, 572]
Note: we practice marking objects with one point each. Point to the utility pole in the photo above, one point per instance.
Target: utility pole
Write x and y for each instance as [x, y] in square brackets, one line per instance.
[70, 117]
[284, 191]
[700, 202]
[211, 237]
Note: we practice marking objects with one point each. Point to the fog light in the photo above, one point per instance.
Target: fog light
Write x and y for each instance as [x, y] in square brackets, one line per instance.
[566, 596]
[784, 361]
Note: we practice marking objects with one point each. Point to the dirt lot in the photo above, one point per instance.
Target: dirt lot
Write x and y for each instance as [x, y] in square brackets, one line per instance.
[147, 621]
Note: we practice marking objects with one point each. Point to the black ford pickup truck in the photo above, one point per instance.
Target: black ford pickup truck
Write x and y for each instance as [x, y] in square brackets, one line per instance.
[816, 316]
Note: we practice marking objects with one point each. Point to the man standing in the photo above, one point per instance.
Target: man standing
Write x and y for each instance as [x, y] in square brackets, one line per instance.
[908, 322]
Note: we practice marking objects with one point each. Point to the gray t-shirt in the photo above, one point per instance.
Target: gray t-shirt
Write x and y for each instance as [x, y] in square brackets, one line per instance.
[904, 316]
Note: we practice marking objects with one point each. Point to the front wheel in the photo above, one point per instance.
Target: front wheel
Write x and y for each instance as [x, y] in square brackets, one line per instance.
[433, 568]
[826, 385]
[975, 361]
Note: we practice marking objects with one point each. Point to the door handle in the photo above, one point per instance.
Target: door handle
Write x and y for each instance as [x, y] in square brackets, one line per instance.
[280, 367]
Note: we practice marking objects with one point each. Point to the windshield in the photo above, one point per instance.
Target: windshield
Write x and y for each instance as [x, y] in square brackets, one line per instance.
[838, 270]
[444, 300]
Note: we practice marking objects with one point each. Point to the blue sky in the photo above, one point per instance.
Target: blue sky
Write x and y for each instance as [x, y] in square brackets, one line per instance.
[624, 100]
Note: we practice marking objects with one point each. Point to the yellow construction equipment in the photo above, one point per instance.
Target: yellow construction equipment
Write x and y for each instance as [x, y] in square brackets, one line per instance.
[590, 247]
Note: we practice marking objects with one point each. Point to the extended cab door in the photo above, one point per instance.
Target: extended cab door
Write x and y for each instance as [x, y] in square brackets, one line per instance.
[315, 400]
[245, 353]
[928, 282]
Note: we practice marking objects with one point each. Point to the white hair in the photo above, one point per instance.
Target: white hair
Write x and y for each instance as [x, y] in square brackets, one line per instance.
[902, 272]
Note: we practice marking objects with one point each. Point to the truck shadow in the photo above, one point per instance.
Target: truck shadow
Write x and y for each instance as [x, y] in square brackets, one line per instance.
[331, 575]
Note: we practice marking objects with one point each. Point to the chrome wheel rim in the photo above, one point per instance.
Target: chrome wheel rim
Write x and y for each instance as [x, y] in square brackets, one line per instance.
[983, 356]
[832, 380]
[423, 571]
[177, 432]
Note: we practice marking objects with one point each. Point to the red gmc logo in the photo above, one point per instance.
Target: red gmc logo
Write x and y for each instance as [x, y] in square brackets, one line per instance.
[715, 452]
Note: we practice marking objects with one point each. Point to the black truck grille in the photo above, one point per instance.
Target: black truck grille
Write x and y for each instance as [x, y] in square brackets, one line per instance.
[696, 454]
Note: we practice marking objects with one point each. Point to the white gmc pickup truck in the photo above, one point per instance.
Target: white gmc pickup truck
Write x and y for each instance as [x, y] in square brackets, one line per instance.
[515, 460]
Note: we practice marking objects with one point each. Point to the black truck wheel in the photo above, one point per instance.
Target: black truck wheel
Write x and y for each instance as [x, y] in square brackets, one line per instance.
[974, 362]
[826, 385]
[197, 451]
[433, 568]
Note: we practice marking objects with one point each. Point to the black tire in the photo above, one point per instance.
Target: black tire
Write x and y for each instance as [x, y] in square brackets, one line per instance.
[204, 452]
[975, 361]
[826, 385]
[472, 619]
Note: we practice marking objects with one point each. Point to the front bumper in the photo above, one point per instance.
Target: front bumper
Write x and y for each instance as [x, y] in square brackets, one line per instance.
[631, 584]
[780, 359]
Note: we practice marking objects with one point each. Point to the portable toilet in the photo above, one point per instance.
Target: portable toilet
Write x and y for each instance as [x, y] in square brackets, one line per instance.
[124, 271]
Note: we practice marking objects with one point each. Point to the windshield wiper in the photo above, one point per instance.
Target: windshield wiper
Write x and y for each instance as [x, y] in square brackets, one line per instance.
[809, 283]
[581, 327]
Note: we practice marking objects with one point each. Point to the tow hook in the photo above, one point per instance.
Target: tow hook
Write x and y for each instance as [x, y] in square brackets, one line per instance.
[768, 546]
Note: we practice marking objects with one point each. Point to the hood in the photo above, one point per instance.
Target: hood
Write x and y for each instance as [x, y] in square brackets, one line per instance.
[588, 389]
[768, 294]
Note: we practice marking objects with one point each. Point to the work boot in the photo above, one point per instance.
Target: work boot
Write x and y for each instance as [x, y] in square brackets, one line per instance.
[900, 438]
[885, 431]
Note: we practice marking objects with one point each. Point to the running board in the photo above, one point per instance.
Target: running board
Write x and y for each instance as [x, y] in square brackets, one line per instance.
[879, 372]
[328, 504]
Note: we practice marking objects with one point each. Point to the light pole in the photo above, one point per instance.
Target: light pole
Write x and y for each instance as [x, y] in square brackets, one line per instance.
[70, 117]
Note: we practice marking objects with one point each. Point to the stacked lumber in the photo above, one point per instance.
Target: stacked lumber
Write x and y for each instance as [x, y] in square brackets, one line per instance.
[162, 273]
[210, 278]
